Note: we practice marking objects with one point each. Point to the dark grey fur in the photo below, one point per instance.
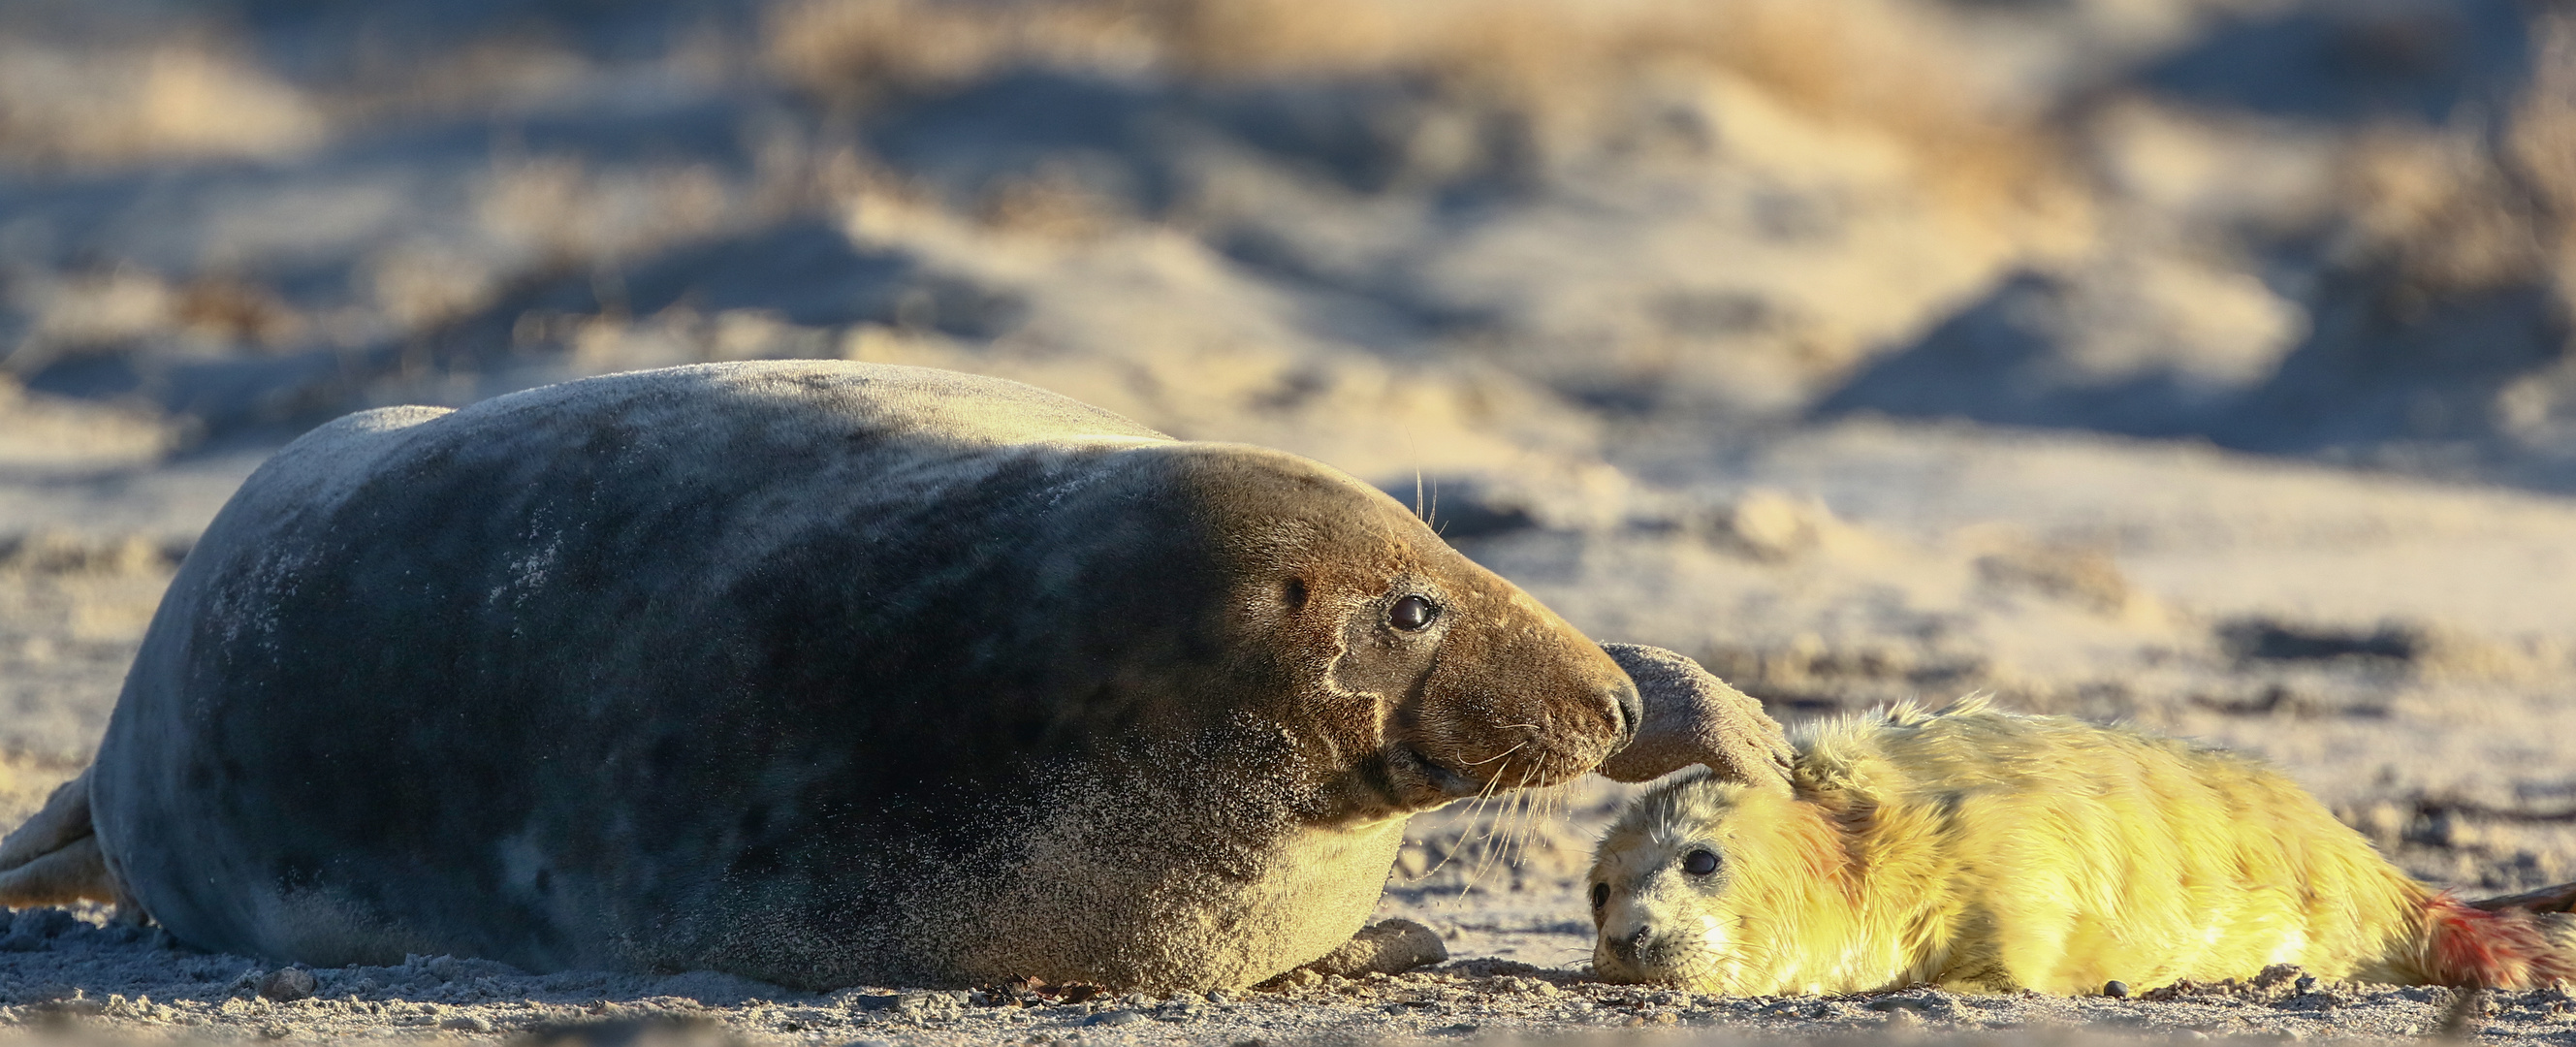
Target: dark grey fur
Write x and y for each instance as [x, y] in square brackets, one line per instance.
[814, 672]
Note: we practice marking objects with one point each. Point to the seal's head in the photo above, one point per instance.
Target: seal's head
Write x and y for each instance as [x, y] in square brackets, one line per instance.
[1688, 867]
[1238, 670]
[1401, 675]
[1428, 677]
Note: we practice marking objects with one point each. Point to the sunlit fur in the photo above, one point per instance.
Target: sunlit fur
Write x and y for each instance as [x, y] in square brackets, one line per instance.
[1982, 850]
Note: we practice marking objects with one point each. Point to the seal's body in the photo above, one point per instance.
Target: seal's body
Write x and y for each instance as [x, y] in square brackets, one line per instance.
[820, 673]
[1988, 851]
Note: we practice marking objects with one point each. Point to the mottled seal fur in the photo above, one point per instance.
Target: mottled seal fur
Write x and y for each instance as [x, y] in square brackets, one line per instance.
[1982, 850]
[820, 673]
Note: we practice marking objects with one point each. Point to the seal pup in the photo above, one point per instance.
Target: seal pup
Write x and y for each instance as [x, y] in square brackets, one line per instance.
[816, 672]
[1985, 851]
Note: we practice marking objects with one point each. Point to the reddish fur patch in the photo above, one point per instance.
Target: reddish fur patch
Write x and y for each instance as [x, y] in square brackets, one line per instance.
[1822, 851]
[2491, 950]
[1847, 821]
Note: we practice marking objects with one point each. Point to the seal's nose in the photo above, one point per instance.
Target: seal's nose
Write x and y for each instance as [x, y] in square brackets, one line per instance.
[1519, 697]
[1627, 946]
[1627, 711]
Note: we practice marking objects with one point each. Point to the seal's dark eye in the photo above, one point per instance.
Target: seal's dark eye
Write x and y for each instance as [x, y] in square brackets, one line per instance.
[1699, 863]
[1600, 895]
[1412, 613]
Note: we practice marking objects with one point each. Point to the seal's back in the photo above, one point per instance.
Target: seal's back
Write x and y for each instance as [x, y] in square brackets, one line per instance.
[496, 654]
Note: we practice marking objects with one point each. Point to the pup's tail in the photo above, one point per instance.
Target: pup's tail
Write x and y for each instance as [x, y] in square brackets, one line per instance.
[54, 859]
[2519, 941]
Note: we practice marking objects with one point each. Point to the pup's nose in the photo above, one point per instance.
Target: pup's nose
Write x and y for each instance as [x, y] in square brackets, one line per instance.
[1627, 946]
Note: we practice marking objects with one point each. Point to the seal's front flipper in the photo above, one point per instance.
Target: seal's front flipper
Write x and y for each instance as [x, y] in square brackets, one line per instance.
[1692, 717]
[1386, 947]
[54, 858]
[75, 873]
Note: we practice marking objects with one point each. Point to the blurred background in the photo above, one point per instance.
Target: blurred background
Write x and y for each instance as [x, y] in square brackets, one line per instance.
[2198, 362]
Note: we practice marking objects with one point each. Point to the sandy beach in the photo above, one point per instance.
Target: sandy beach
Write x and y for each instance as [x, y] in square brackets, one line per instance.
[2199, 364]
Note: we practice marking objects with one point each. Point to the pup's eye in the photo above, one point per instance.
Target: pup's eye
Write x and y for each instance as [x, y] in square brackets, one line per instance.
[1412, 613]
[1600, 895]
[1699, 863]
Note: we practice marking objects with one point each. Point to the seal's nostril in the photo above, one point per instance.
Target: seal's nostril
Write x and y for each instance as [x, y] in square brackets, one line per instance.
[1625, 946]
[1632, 946]
[1627, 712]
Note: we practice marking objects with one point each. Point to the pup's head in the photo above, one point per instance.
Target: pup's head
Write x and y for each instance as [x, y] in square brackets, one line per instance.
[1699, 880]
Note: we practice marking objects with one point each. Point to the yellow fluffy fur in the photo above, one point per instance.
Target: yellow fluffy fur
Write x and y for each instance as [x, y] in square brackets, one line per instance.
[1988, 851]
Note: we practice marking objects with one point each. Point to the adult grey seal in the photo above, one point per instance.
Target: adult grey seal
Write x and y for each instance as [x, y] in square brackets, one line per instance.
[820, 673]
